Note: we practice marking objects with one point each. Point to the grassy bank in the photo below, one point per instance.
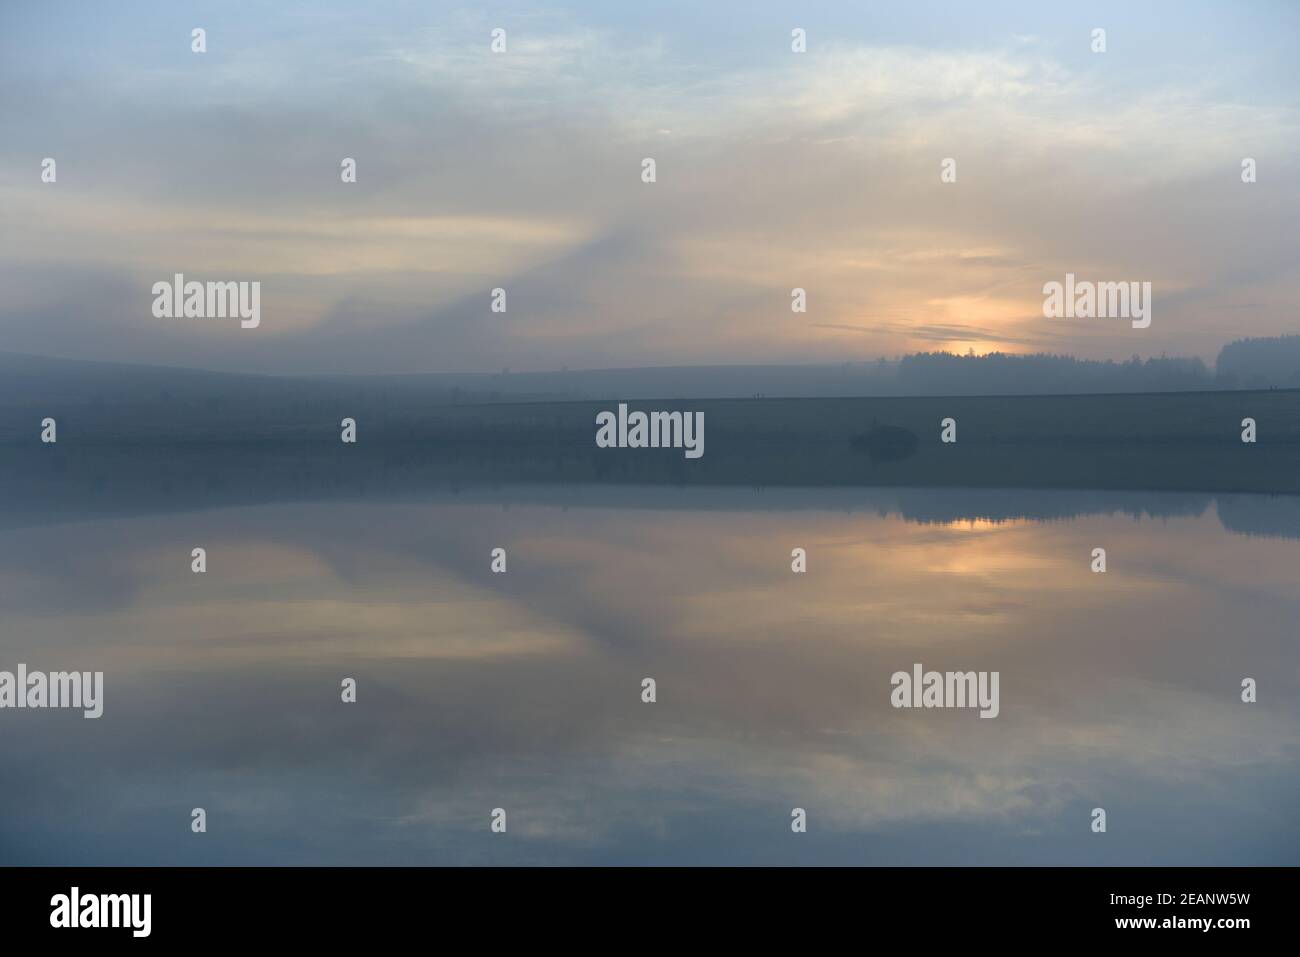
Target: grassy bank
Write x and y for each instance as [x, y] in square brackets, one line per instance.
[1178, 441]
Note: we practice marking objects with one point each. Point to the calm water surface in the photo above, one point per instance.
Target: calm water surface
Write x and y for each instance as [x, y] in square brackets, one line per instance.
[522, 690]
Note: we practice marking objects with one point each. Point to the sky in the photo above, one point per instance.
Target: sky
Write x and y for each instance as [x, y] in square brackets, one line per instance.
[522, 170]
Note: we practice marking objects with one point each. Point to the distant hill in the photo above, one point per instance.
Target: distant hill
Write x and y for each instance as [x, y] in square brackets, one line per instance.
[1245, 364]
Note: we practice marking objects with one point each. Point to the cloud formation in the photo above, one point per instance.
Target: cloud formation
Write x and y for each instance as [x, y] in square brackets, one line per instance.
[521, 170]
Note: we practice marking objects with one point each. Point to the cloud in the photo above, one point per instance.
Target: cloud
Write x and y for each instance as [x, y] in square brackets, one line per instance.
[521, 170]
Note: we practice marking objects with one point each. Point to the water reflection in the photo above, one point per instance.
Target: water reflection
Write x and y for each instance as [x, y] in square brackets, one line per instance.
[522, 690]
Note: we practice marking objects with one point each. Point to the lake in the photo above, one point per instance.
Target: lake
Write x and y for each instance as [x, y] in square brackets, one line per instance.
[523, 690]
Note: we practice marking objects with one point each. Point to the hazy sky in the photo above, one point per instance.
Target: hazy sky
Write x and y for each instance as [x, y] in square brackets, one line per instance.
[523, 170]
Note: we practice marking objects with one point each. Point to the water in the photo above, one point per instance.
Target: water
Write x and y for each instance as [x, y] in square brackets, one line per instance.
[523, 690]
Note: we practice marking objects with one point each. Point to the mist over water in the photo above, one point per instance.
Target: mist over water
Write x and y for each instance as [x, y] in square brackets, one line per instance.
[522, 690]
